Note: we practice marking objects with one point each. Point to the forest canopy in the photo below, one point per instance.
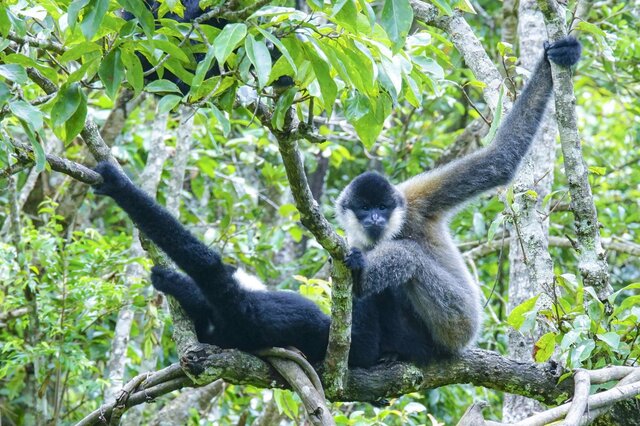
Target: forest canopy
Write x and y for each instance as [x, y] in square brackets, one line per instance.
[246, 119]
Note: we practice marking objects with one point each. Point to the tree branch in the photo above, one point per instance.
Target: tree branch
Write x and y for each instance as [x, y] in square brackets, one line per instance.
[591, 256]
[59, 164]
[336, 360]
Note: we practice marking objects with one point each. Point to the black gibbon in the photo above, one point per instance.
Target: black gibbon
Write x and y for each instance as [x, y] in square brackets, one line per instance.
[414, 298]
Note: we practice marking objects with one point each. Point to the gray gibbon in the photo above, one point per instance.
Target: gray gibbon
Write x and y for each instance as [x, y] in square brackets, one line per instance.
[414, 298]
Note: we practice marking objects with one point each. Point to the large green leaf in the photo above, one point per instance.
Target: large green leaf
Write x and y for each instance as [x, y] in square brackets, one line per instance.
[139, 10]
[228, 39]
[69, 112]
[282, 106]
[133, 69]
[162, 86]
[202, 69]
[111, 72]
[13, 72]
[25, 111]
[93, 15]
[260, 57]
[396, 19]
[328, 87]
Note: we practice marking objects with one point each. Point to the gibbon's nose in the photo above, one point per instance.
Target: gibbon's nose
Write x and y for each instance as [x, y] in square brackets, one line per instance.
[378, 220]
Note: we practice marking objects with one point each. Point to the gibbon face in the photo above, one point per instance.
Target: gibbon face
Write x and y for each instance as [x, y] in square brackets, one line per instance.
[370, 209]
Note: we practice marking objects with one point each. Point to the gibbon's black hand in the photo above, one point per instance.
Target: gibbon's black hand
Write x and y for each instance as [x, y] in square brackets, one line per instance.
[565, 52]
[355, 260]
[113, 180]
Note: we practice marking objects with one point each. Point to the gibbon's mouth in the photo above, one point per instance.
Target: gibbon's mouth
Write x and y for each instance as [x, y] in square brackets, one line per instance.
[374, 231]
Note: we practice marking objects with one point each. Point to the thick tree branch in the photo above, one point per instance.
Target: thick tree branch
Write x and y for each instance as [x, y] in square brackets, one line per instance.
[591, 256]
[205, 363]
[313, 219]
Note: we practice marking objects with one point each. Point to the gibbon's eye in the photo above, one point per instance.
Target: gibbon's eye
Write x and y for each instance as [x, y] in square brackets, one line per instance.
[382, 207]
[366, 208]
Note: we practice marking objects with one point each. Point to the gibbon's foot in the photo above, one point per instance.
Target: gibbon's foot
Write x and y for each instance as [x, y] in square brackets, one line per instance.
[565, 52]
[161, 279]
[355, 260]
[113, 180]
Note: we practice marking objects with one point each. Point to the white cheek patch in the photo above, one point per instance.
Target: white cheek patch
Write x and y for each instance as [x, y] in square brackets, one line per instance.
[355, 231]
[247, 281]
[396, 222]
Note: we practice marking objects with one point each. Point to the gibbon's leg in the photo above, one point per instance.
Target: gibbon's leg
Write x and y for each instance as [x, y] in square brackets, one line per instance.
[446, 187]
[183, 288]
[191, 255]
[188, 294]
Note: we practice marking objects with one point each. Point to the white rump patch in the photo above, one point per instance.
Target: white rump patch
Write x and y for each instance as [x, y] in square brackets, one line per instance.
[247, 281]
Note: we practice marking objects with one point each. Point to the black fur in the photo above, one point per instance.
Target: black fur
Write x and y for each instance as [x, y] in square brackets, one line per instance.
[393, 315]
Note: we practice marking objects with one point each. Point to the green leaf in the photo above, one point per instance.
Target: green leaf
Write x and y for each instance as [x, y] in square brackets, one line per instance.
[162, 86]
[37, 147]
[93, 15]
[357, 106]
[202, 69]
[497, 118]
[228, 39]
[396, 19]
[133, 69]
[443, 5]
[222, 119]
[5, 93]
[74, 10]
[517, 316]
[173, 50]
[111, 72]
[28, 113]
[139, 9]
[168, 102]
[260, 57]
[611, 338]
[14, 72]
[69, 112]
[545, 346]
[328, 86]
[79, 50]
[276, 42]
[600, 171]
[282, 106]
[5, 23]
[591, 28]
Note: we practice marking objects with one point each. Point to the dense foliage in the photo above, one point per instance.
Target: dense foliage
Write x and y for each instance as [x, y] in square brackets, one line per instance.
[386, 93]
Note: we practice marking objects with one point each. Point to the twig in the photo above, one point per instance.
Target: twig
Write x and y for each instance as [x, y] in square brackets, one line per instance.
[59, 164]
[580, 396]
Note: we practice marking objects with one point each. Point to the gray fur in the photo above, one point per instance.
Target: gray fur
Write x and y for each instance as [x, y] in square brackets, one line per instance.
[421, 261]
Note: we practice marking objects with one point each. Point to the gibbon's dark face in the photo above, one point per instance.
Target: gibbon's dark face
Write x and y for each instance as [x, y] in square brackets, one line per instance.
[370, 209]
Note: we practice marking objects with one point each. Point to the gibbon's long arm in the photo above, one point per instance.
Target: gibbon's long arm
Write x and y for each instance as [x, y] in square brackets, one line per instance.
[436, 191]
[191, 255]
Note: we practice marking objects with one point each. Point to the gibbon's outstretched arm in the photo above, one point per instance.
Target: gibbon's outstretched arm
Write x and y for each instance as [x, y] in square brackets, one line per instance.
[191, 255]
[444, 188]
